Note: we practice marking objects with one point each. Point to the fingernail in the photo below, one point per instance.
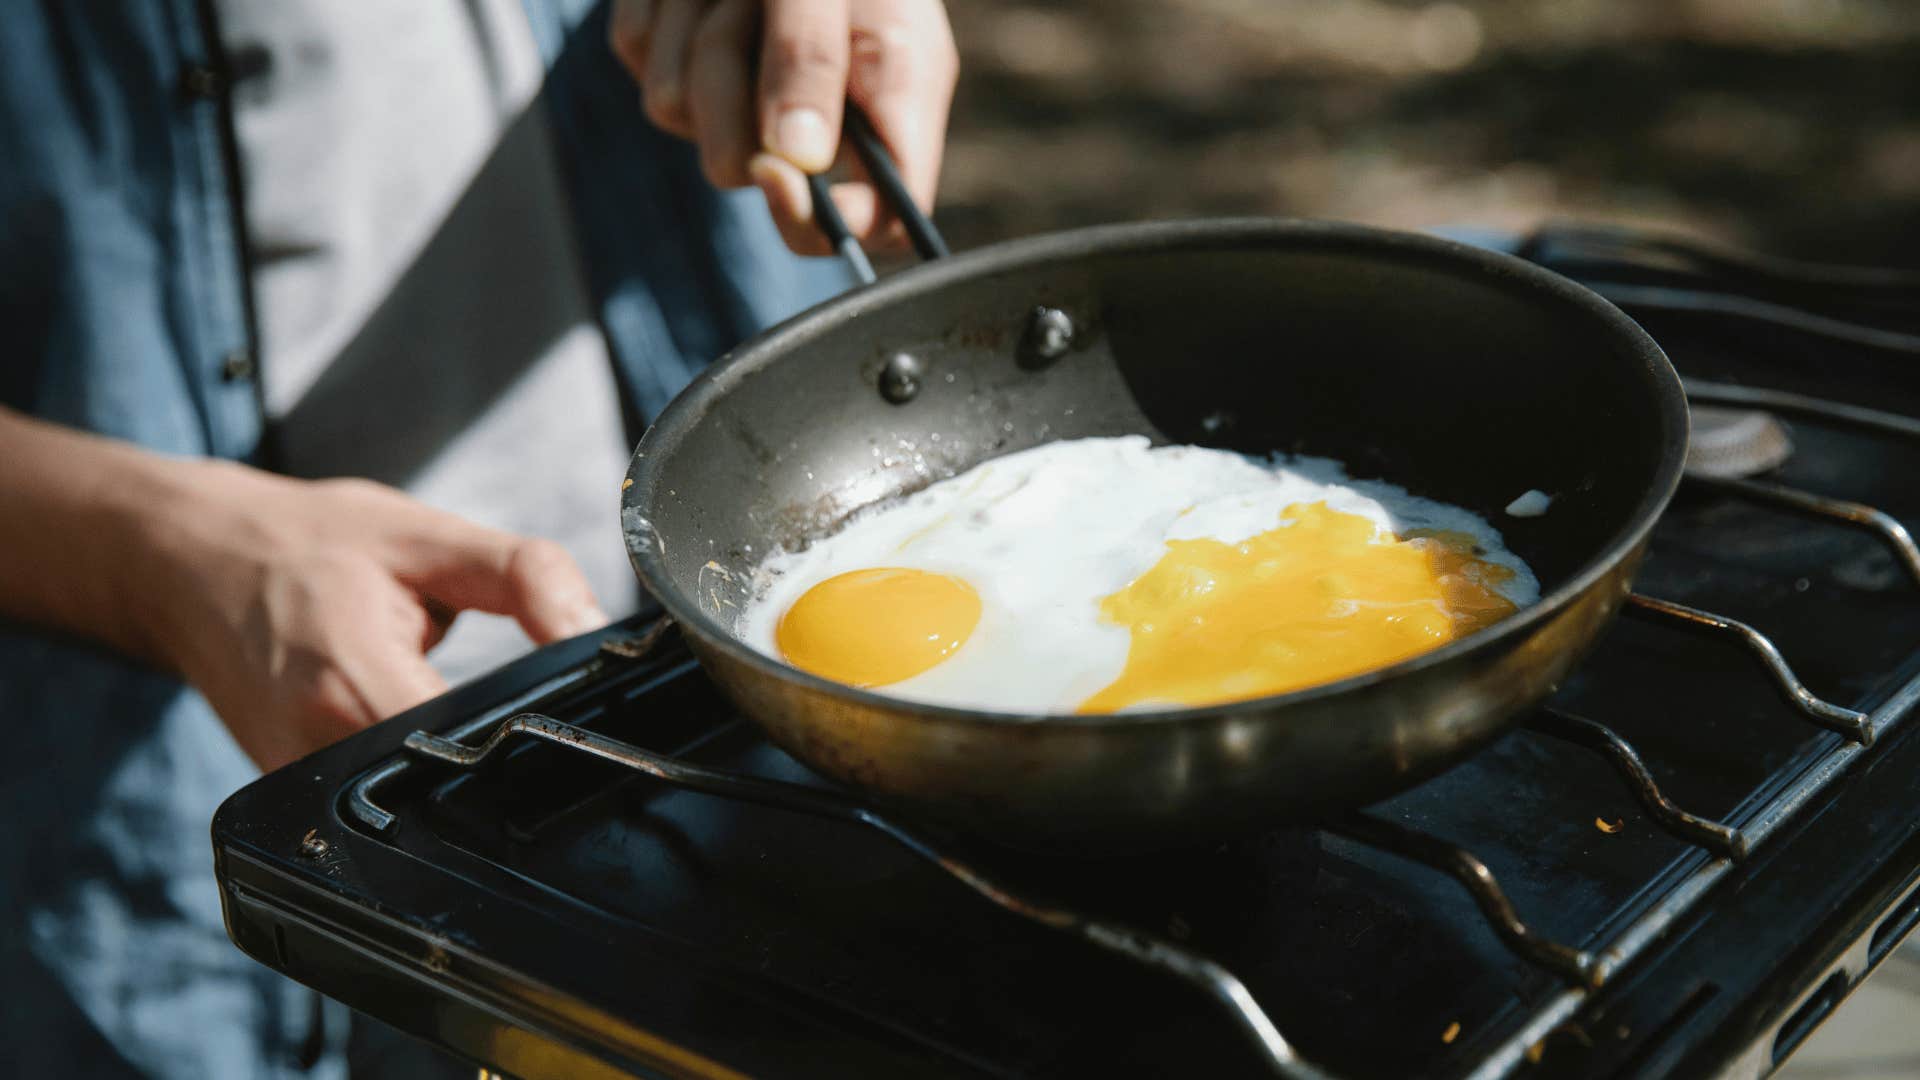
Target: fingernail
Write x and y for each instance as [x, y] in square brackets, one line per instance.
[801, 137]
[586, 617]
[765, 169]
[777, 179]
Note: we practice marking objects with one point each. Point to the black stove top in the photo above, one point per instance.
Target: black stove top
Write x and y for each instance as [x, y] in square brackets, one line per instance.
[1676, 867]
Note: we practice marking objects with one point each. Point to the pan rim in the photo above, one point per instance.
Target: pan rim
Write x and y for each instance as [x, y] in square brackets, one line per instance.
[692, 403]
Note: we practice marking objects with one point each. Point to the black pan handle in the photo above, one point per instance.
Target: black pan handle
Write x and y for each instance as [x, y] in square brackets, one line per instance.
[880, 167]
[827, 216]
[893, 191]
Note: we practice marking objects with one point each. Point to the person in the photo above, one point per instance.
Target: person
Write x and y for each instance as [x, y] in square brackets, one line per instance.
[324, 325]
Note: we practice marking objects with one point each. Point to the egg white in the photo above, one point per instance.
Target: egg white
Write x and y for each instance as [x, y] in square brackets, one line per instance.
[1045, 534]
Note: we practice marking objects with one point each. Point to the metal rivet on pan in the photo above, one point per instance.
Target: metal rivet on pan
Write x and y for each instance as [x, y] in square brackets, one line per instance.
[900, 378]
[1049, 336]
[311, 845]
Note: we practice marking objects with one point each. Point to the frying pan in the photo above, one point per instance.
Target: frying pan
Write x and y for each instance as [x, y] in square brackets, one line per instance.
[1464, 375]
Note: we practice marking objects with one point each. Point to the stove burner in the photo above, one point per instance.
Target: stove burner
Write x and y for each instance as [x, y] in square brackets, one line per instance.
[1584, 970]
[1677, 865]
[1729, 443]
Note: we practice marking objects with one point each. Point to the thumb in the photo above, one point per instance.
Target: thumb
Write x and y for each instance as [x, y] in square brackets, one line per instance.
[467, 566]
[803, 80]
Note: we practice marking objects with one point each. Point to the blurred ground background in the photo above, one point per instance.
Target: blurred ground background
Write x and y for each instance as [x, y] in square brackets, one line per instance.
[1792, 125]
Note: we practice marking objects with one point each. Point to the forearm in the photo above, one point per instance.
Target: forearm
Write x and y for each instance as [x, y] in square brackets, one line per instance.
[75, 509]
[300, 609]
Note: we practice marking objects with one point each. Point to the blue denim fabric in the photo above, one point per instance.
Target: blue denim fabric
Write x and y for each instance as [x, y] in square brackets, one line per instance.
[122, 296]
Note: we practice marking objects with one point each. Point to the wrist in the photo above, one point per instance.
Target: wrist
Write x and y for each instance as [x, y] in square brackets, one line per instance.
[134, 506]
[174, 518]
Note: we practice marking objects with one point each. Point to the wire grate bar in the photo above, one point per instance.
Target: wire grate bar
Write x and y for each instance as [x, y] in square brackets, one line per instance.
[1576, 966]
[1878, 522]
[362, 796]
[1787, 403]
[1849, 722]
[1508, 1056]
[1716, 837]
[1146, 949]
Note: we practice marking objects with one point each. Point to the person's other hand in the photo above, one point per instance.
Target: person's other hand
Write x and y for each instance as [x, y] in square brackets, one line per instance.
[759, 86]
[303, 610]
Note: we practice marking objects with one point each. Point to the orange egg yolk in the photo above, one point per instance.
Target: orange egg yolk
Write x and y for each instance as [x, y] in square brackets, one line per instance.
[1314, 600]
[879, 626]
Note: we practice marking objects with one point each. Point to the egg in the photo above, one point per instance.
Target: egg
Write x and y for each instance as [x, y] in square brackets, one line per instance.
[1104, 575]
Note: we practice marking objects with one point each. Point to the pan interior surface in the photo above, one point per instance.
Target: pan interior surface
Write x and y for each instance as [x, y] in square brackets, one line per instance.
[1462, 376]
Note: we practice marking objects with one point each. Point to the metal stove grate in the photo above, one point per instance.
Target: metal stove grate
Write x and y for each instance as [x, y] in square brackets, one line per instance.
[1582, 970]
